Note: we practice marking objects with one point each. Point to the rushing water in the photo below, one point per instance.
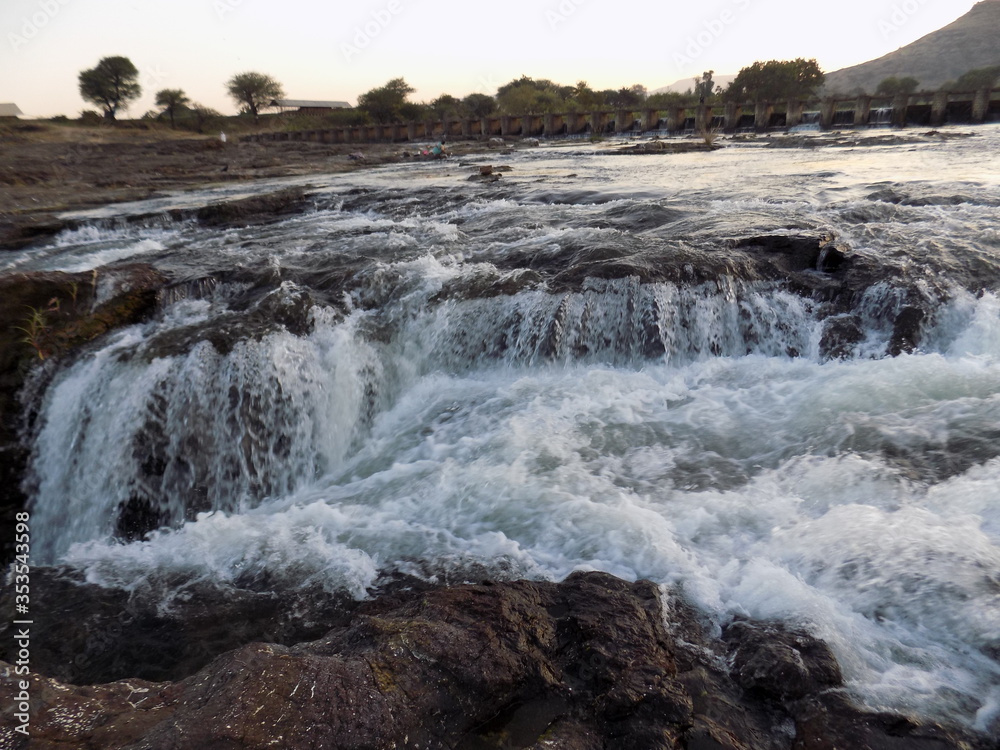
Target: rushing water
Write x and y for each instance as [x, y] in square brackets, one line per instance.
[568, 369]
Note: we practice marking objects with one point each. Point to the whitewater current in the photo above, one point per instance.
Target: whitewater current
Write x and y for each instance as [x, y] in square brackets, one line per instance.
[456, 379]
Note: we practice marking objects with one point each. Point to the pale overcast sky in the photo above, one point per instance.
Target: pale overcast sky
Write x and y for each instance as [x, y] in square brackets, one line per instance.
[338, 51]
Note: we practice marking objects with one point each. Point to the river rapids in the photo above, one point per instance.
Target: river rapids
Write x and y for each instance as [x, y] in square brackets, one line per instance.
[766, 377]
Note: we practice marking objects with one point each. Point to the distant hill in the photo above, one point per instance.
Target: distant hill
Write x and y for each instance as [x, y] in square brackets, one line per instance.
[973, 41]
[682, 86]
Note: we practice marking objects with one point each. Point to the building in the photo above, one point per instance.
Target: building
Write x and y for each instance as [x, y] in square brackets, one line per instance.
[307, 107]
[9, 110]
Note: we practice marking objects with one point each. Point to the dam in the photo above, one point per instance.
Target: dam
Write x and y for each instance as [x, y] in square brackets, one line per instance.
[831, 113]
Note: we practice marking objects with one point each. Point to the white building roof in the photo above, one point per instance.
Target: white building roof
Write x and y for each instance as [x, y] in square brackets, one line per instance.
[9, 110]
[307, 103]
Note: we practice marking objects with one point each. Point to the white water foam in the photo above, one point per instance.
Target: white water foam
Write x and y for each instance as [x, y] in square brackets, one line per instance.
[769, 487]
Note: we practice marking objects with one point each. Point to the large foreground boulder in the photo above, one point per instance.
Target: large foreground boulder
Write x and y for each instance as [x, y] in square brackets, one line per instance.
[593, 662]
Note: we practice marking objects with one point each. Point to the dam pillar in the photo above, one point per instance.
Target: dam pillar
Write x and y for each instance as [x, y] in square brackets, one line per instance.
[981, 105]
[624, 119]
[794, 113]
[900, 105]
[575, 123]
[597, 122]
[411, 131]
[762, 116]
[939, 109]
[826, 109]
[702, 118]
[650, 120]
[862, 111]
[675, 119]
[505, 125]
[732, 117]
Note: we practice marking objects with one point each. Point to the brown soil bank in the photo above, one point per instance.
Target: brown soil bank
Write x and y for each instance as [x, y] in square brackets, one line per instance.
[593, 662]
[46, 170]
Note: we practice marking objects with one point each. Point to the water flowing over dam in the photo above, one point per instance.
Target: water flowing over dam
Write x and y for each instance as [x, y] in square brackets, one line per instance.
[767, 376]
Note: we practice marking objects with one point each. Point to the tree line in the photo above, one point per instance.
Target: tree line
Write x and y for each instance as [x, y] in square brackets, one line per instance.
[113, 84]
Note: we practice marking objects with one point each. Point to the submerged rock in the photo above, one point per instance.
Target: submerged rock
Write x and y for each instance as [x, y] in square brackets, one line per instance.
[592, 662]
[259, 209]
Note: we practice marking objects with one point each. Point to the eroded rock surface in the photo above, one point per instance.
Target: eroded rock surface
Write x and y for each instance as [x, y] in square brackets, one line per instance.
[592, 662]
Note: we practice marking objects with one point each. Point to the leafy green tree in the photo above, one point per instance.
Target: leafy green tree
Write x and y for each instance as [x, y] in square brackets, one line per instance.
[526, 95]
[893, 86]
[388, 103]
[586, 98]
[111, 84]
[978, 78]
[203, 116]
[776, 80]
[253, 91]
[479, 105]
[445, 106]
[704, 87]
[666, 99]
[624, 98]
[172, 100]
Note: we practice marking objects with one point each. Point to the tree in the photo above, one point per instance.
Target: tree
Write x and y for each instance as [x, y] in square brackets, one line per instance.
[171, 100]
[586, 98]
[978, 78]
[110, 84]
[893, 86]
[776, 80]
[203, 116]
[479, 105]
[525, 95]
[387, 103]
[705, 86]
[445, 106]
[253, 91]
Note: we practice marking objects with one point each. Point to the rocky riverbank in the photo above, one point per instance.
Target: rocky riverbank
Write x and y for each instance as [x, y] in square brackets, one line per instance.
[592, 662]
[47, 170]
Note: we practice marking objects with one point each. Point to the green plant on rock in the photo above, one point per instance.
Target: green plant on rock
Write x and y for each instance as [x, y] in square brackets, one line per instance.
[35, 330]
[708, 135]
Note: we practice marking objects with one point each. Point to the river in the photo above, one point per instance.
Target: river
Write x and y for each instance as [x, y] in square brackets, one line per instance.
[590, 363]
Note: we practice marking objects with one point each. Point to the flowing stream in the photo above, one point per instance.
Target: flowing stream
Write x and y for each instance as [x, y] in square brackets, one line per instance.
[574, 367]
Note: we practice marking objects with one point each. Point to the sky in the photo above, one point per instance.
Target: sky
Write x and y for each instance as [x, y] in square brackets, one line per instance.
[336, 51]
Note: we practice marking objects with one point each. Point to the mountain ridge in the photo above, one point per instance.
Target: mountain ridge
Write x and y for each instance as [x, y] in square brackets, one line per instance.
[970, 41]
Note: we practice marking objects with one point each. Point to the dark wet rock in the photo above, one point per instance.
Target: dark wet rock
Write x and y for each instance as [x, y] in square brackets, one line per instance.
[18, 232]
[793, 253]
[840, 335]
[259, 209]
[906, 331]
[50, 316]
[664, 147]
[900, 197]
[779, 663]
[91, 634]
[592, 662]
